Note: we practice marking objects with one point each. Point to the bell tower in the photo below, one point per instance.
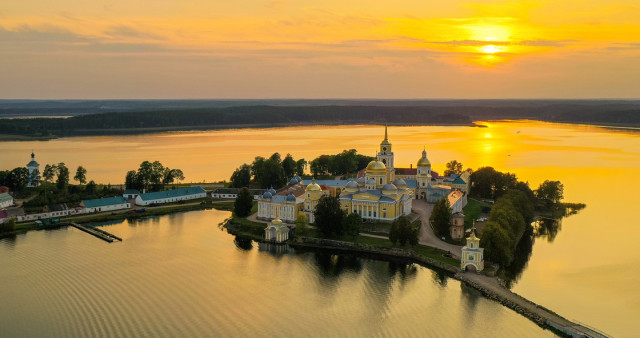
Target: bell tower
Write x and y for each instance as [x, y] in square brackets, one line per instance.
[385, 155]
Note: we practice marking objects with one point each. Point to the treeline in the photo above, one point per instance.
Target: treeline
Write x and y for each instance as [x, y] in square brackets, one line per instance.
[275, 172]
[120, 122]
[348, 161]
[152, 176]
[515, 208]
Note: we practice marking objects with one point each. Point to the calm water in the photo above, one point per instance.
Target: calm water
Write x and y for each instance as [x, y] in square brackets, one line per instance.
[181, 276]
[588, 272]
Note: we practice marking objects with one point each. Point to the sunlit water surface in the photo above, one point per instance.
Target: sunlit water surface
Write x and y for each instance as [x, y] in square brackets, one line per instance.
[588, 272]
[181, 276]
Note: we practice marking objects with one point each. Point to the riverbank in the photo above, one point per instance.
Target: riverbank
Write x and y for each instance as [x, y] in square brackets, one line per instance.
[112, 216]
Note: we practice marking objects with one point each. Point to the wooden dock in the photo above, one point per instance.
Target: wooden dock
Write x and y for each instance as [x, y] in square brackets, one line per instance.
[103, 235]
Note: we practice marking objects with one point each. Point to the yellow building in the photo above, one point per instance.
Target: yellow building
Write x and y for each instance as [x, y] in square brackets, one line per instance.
[271, 206]
[472, 253]
[276, 231]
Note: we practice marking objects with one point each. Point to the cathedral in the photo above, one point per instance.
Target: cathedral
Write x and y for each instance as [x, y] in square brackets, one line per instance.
[381, 192]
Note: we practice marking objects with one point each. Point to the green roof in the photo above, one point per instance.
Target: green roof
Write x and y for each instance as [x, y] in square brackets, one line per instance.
[5, 197]
[171, 193]
[102, 202]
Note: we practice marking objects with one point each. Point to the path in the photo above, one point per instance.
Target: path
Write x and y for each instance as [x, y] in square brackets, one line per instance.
[427, 236]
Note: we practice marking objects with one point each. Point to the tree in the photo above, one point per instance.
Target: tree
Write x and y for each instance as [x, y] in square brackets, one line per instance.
[289, 166]
[394, 232]
[441, 217]
[49, 172]
[497, 244]
[301, 224]
[171, 175]
[552, 191]
[91, 188]
[63, 176]
[17, 179]
[328, 216]
[241, 177]
[488, 183]
[453, 167]
[403, 232]
[133, 181]
[243, 204]
[81, 175]
[301, 165]
[320, 165]
[8, 225]
[509, 218]
[352, 223]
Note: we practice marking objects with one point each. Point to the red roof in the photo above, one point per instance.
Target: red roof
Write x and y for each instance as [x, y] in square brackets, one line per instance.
[324, 187]
[434, 174]
[406, 171]
[3, 189]
[361, 173]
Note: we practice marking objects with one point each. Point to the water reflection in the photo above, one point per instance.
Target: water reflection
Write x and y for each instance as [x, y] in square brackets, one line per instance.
[243, 243]
[547, 228]
[440, 278]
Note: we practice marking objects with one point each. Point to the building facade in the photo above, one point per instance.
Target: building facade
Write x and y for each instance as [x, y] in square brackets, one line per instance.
[105, 204]
[472, 253]
[6, 200]
[276, 231]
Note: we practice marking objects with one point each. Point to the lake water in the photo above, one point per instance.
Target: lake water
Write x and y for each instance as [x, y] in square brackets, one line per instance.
[181, 276]
[587, 272]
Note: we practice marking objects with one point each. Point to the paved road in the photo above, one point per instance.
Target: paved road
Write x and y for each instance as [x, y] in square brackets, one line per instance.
[426, 235]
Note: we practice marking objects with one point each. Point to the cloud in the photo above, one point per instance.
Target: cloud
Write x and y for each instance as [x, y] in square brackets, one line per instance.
[536, 43]
[130, 32]
[47, 34]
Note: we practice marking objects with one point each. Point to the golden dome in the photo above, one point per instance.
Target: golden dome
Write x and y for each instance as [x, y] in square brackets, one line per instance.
[276, 221]
[424, 161]
[376, 165]
[313, 186]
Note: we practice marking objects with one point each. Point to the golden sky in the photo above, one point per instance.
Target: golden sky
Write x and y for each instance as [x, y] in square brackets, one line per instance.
[319, 49]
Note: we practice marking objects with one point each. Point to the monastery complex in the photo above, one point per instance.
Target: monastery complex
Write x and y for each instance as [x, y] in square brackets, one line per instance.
[381, 192]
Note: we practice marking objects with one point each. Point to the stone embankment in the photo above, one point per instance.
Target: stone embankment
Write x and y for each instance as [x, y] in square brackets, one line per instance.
[488, 286]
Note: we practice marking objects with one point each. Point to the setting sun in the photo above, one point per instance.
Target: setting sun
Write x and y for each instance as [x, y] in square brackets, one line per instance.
[490, 49]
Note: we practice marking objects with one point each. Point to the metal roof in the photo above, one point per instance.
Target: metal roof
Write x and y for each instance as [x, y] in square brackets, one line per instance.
[103, 202]
[171, 193]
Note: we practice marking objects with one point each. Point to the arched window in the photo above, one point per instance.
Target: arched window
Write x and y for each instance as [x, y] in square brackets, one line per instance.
[380, 180]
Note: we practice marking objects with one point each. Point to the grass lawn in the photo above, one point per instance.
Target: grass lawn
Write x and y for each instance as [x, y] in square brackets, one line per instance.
[472, 211]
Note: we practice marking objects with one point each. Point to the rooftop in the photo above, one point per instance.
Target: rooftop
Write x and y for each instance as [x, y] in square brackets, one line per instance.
[102, 202]
[171, 193]
[5, 197]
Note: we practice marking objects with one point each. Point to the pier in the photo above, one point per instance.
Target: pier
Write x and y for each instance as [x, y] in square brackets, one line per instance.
[103, 235]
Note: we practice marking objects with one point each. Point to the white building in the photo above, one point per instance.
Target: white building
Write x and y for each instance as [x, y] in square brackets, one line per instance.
[6, 200]
[130, 193]
[233, 193]
[472, 253]
[105, 204]
[169, 196]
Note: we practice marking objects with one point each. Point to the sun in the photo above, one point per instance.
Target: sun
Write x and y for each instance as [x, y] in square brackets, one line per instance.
[491, 49]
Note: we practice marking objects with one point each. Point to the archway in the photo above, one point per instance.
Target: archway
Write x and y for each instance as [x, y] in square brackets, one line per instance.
[472, 267]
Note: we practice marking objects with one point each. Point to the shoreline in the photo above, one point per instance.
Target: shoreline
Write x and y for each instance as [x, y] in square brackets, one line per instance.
[158, 130]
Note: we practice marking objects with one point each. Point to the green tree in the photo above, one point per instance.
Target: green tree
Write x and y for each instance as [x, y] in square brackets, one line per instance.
[49, 172]
[302, 224]
[18, 178]
[81, 175]
[243, 204]
[441, 217]
[63, 176]
[301, 165]
[453, 167]
[320, 166]
[171, 175]
[133, 181]
[352, 224]
[91, 188]
[289, 166]
[394, 232]
[328, 216]
[497, 244]
[510, 220]
[551, 191]
[241, 177]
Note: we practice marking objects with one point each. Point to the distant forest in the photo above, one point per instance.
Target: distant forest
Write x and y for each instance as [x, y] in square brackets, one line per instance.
[181, 115]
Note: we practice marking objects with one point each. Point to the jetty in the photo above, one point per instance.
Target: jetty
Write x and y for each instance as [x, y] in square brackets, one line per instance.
[103, 235]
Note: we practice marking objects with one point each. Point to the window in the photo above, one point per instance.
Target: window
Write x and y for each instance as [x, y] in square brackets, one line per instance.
[380, 180]
[470, 257]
